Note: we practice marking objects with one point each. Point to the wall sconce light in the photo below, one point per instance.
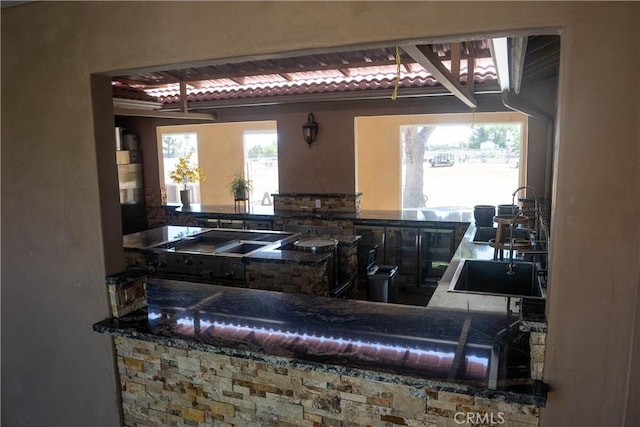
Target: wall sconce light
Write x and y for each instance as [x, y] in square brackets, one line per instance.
[310, 130]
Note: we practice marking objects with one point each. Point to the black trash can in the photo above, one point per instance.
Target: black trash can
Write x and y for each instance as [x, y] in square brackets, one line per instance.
[381, 286]
[366, 257]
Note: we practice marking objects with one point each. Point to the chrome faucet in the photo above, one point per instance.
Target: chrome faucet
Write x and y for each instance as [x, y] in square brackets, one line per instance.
[511, 267]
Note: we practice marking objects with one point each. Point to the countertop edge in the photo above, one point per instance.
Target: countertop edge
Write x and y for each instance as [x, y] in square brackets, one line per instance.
[362, 216]
[509, 396]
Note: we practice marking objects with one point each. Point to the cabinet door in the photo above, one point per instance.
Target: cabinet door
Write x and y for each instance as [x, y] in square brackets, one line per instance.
[252, 224]
[403, 252]
[232, 223]
[210, 223]
[436, 251]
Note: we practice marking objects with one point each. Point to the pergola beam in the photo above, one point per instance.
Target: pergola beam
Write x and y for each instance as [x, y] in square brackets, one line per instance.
[137, 112]
[432, 63]
[184, 101]
[455, 61]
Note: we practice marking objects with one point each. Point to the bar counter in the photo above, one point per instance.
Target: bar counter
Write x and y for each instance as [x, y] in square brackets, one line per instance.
[470, 352]
[420, 216]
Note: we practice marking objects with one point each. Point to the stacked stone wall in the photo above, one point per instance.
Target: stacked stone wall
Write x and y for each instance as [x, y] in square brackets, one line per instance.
[169, 386]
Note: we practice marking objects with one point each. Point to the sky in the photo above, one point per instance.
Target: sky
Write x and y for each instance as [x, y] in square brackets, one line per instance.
[449, 135]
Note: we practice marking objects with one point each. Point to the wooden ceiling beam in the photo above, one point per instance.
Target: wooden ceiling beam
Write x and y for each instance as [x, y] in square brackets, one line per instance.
[455, 61]
[471, 75]
[170, 78]
[184, 102]
[159, 79]
[136, 112]
[430, 61]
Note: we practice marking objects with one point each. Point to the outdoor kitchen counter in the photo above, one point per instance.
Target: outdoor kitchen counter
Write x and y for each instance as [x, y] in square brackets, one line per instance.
[452, 215]
[447, 350]
[443, 299]
[148, 239]
[289, 254]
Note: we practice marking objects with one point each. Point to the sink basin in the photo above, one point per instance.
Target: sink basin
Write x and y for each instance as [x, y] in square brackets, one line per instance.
[491, 278]
[484, 234]
[242, 248]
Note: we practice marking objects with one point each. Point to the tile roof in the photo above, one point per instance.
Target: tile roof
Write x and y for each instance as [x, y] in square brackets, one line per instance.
[316, 82]
[124, 91]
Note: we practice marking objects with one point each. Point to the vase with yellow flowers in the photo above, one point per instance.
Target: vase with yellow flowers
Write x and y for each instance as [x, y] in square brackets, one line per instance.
[185, 173]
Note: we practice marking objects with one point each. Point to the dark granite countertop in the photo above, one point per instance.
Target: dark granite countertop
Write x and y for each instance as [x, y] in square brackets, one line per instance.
[451, 350]
[145, 240]
[224, 211]
[446, 215]
[298, 194]
[286, 256]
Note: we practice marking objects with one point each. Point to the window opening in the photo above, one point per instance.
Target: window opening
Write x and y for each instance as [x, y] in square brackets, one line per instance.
[174, 146]
[458, 166]
[261, 165]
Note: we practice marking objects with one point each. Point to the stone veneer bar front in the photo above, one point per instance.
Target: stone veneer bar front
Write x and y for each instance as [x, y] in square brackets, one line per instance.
[208, 355]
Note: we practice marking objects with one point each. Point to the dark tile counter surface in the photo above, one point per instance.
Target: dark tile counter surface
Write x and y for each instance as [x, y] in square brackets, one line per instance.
[448, 350]
[147, 239]
[447, 215]
[224, 211]
[289, 254]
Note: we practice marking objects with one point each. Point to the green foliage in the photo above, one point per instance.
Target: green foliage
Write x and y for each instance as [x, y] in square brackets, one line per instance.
[240, 183]
[503, 136]
[259, 151]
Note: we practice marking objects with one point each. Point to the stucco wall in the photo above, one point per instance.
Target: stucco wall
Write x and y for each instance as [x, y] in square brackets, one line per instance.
[303, 169]
[56, 371]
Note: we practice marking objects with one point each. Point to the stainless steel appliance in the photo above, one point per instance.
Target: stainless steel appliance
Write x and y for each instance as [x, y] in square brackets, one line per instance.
[214, 256]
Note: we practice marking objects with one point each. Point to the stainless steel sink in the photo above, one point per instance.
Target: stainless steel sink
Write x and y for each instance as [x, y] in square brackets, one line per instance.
[242, 248]
[492, 278]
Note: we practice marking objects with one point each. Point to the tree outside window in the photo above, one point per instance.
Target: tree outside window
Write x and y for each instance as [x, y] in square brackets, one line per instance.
[459, 166]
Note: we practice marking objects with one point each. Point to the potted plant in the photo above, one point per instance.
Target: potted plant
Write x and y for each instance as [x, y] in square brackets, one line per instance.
[240, 187]
[185, 173]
